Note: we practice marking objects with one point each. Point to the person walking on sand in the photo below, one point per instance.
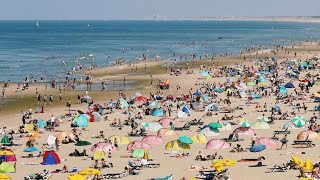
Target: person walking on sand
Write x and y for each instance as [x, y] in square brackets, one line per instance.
[69, 104]
[284, 141]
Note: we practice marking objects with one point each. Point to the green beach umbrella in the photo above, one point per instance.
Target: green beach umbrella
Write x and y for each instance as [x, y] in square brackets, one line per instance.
[185, 140]
[263, 119]
[250, 83]
[245, 124]
[299, 121]
[153, 105]
[83, 143]
[214, 125]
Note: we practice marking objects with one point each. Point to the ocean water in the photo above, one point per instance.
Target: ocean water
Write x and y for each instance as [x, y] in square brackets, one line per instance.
[26, 48]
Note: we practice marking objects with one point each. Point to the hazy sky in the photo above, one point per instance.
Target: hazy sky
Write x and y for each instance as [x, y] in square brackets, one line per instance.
[143, 9]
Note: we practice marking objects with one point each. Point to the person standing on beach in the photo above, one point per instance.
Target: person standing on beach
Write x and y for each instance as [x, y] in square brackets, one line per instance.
[60, 96]
[69, 104]
[39, 99]
[51, 99]
[45, 99]
[3, 92]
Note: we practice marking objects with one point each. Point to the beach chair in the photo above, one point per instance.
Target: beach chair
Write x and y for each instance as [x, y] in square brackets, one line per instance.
[184, 127]
[114, 175]
[275, 133]
[305, 144]
[278, 169]
[151, 165]
[133, 165]
[232, 138]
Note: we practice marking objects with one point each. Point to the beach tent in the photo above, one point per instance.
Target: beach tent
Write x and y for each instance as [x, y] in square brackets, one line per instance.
[308, 135]
[5, 140]
[41, 123]
[217, 144]
[176, 145]
[8, 155]
[157, 112]
[121, 104]
[289, 85]
[165, 122]
[218, 90]
[95, 117]
[140, 153]
[165, 132]
[260, 125]
[244, 131]
[199, 139]
[197, 94]
[7, 168]
[50, 158]
[245, 124]
[212, 107]
[76, 177]
[82, 120]
[186, 110]
[182, 115]
[155, 126]
[197, 105]
[153, 105]
[51, 140]
[34, 134]
[282, 89]
[205, 98]
[98, 155]
[119, 139]
[207, 131]
[270, 143]
[138, 145]
[102, 146]
[31, 149]
[152, 139]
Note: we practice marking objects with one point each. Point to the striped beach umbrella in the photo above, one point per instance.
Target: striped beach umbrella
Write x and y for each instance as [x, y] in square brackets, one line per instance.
[299, 121]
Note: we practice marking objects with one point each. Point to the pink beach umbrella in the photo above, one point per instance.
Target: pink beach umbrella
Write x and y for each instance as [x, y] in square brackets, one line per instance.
[244, 131]
[165, 122]
[152, 139]
[217, 144]
[103, 147]
[138, 145]
[270, 143]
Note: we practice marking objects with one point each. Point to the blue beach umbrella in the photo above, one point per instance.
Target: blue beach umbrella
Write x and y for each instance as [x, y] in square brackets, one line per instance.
[282, 89]
[257, 148]
[31, 149]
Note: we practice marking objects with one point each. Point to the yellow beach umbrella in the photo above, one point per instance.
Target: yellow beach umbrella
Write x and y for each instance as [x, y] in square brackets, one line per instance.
[90, 171]
[76, 177]
[6, 152]
[308, 166]
[4, 176]
[298, 161]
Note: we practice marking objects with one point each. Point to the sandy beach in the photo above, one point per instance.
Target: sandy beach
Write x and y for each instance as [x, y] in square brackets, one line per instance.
[146, 76]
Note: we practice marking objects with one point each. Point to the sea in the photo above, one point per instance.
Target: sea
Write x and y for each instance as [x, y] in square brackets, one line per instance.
[51, 48]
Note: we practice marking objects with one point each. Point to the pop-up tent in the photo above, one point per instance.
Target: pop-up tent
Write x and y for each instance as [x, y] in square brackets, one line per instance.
[50, 158]
[7, 168]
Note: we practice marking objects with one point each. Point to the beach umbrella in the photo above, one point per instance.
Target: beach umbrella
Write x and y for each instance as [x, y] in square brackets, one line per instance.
[185, 140]
[307, 166]
[4, 176]
[270, 143]
[250, 83]
[217, 144]
[164, 132]
[41, 123]
[289, 125]
[86, 97]
[6, 153]
[297, 161]
[152, 139]
[157, 112]
[215, 125]
[212, 107]
[83, 143]
[154, 105]
[90, 171]
[257, 148]
[204, 98]
[76, 177]
[207, 131]
[299, 121]
[31, 149]
[260, 125]
[308, 135]
[199, 139]
[244, 131]
[245, 124]
[135, 95]
[186, 110]
[82, 120]
[263, 119]
[289, 85]
[102, 146]
[218, 90]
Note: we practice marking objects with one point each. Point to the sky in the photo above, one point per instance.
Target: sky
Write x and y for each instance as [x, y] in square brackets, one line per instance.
[146, 9]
